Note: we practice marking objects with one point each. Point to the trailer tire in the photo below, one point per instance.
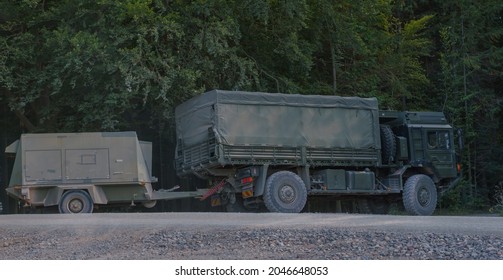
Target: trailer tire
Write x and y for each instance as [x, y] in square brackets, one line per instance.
[75, 202]
[285, 192]
[419, 195]
[388, 144]
[149, 204]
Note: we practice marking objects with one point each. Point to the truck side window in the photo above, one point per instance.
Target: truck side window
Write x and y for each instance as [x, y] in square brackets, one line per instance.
[432, 140]
[438, 140]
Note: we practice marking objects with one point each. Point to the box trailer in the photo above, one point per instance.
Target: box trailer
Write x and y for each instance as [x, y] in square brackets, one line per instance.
[78, 171]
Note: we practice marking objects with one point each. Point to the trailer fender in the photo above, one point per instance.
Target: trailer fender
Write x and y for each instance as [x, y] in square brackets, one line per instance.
[53, 196]
[97, 195]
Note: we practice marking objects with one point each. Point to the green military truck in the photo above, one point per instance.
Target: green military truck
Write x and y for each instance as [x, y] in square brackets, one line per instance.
[78, 172]
[279, 149]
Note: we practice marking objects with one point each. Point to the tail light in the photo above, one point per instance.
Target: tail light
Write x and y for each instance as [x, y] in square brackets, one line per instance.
[246, 180]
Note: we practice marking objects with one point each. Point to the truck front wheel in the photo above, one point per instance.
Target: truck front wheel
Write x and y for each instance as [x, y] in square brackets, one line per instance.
[419, 195]
[75, 202]
[285, 192]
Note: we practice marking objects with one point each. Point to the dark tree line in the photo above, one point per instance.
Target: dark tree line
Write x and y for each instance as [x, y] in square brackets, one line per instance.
[106, 65]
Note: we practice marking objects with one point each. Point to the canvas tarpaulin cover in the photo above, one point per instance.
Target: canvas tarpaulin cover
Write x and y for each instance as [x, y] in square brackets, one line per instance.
[272, 119]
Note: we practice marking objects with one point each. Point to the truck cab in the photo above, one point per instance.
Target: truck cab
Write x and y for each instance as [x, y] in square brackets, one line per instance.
[424, 163]
[423, 140]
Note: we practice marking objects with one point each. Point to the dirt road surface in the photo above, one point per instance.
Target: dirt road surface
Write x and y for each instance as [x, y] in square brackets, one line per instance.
[248, 236]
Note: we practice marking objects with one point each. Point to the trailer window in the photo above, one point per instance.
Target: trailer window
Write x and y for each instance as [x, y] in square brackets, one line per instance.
[438, 140]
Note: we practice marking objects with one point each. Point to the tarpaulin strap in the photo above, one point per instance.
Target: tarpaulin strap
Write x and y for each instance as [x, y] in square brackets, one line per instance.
[213, 190]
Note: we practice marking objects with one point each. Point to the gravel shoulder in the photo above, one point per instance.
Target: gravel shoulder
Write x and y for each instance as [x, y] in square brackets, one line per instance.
[182, 236]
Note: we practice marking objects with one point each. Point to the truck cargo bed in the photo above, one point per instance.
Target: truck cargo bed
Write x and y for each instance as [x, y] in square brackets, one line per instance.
[222, 128]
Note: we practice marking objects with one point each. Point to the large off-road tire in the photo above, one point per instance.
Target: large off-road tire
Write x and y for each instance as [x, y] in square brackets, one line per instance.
[419, 195]
[285, 192]
[388, 144]
[376, 205]
[75, 202]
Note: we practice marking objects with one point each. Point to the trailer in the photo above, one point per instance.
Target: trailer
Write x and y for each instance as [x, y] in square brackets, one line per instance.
[80, 171]
[277, 150]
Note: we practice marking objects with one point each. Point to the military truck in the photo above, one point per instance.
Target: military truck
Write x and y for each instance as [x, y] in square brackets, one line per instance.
[80, 171]
[276, 150]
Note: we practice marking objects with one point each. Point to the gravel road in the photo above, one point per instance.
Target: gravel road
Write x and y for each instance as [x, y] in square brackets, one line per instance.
[182, 236]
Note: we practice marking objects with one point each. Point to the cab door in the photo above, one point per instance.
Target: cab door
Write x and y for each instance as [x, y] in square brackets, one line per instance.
[440, 152]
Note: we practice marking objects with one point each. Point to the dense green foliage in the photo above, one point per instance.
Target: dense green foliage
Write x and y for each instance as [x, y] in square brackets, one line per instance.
[73, 65]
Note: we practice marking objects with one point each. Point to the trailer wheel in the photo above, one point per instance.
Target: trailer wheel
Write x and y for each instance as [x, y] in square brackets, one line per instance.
[285, 192]
[149, 204]
[388, 144]
[76, 202]
[419, 195]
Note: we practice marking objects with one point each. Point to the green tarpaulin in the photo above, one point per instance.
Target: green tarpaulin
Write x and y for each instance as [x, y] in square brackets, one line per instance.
[273, 119]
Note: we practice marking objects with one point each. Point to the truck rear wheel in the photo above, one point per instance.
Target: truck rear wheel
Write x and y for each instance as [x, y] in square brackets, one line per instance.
[285, 192]
[75, 202]
[419, 195]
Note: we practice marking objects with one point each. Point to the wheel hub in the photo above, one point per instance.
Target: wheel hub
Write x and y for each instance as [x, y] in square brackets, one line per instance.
[75, 205]
[287, 194]
[423, 196]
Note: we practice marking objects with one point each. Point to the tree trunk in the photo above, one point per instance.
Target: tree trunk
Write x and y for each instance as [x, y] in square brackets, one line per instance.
[334, 69]
[467, 113]
[25, 121]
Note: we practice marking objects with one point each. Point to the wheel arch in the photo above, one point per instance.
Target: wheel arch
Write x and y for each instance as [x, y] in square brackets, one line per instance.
[55, 194]
[266, 171]
[421, 170]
